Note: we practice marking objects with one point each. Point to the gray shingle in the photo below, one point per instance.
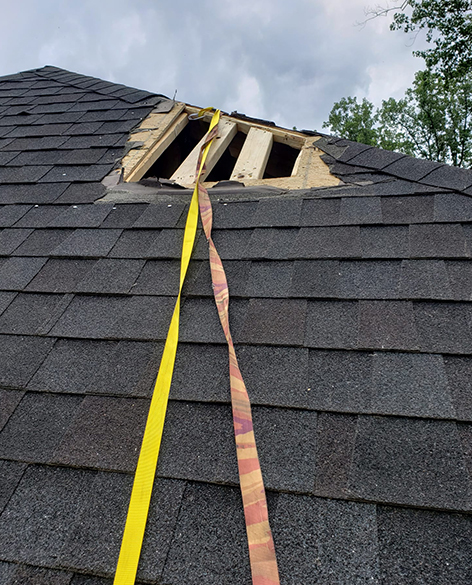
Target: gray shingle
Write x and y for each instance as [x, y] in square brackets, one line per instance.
[16, 273]
[369, 279]
[199, 321]
[375, 158]
[106, 433]
[40, 515]
[5, 300]
[443, 327]
[10, 239]
[275, 322]
[201, 376]
[273, 243]
[39, 216]
[82, 193]
[319, 212]
[209, 544]
[460, 384]
[412, 169]
[339, 381]
[30, 193]
[385, 242]
[144, 318]
[6, 572]
[61, 275]
[286, 440]
[275, 375]
[10, 475]
[21, 357]
[410, 385]
[160, 215]
[387, 325]
[278, 213]
[199, 282]
[41, 242]
[324, 541]
[332, 324]
[9, 400]
[95, 540]
[98, 367]
[425, 279]
[269, 279]
[124, 216]
[230, 244]
[315, 278]
[85, 216]
[360, 210]
[327, 242]
[36, 427]
[111, 276]
[10, 214]
[134, 243]
[239, 214]
[207, 449]
[27, 575]
[420, 546]
[452, 207]
[29, 313]
[408, 461]
[158, 277]
[334, 448]
[25, 174]
[88, 242]
[460, 277]
[449, 177]
[408, 209]
[432, 241]
[71, 174]
[91, 316]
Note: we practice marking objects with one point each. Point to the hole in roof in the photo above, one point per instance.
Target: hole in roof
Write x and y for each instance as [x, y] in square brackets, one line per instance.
[281, 161]
[175, 154]
[223, 169]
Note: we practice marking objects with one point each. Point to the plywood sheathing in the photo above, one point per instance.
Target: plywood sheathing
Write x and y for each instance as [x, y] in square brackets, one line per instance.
[158, 130]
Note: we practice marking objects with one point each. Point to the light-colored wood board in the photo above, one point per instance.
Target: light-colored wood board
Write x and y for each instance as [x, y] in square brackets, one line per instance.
[290, 137]
[185, 174]
[151, 154]
[150, 138]
[254, 155]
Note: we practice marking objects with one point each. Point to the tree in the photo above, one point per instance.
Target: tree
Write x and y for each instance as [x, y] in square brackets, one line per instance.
[353, 120]
[448, 26]
[433, 120]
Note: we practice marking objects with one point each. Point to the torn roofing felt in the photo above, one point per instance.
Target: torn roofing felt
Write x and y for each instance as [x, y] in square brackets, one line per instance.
[352, 320]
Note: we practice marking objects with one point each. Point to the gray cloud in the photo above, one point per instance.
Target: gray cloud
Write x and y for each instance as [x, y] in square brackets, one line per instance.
[286, 61]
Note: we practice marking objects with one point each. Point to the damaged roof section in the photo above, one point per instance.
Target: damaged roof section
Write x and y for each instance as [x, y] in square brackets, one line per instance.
[166, 145]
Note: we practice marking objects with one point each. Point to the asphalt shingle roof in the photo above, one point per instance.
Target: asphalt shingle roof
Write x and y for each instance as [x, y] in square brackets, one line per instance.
[352, 317]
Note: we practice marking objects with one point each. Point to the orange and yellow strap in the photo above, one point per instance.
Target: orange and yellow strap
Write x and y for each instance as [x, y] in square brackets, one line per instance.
[261, 545]
[146, 469]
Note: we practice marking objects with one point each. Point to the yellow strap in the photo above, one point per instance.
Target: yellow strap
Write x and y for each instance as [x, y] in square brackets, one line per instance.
[146, 469]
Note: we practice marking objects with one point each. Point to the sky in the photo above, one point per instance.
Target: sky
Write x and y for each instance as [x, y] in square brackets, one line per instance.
[281, 60]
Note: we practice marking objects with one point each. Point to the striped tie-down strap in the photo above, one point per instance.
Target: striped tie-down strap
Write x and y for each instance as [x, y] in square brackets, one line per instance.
[261, 545]
[146, 469]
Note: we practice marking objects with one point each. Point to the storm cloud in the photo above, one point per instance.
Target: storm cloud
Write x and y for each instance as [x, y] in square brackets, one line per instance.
[279, 60]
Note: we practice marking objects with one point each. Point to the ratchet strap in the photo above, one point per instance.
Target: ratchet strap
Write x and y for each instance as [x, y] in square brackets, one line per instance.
[146, 469]
[261, 546]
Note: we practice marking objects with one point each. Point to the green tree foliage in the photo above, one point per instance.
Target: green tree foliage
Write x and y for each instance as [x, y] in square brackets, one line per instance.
[448, 25]
[433, 119]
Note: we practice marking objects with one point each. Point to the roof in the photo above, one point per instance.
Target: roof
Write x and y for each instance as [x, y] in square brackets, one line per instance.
[351, 314]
